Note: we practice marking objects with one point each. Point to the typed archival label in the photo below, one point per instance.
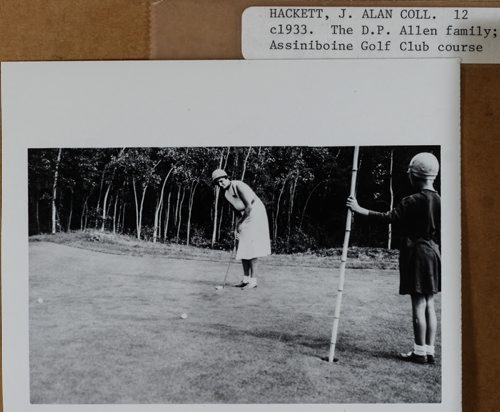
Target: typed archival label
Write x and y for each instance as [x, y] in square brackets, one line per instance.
[359, 32]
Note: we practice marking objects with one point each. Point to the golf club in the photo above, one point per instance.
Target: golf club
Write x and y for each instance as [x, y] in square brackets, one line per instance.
[231, 257]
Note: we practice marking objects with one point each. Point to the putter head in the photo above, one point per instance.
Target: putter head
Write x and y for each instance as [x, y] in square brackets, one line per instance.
[326, 359]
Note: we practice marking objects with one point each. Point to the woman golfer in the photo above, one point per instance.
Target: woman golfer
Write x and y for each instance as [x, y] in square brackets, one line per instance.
[419, 217]
[252, 227]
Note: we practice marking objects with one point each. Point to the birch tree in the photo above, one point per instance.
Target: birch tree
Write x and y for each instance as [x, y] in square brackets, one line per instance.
[54, 191]
[391, 202]
[110, 170]
[140, 164]
[192, 191]
[159, 205]
[216, 198]
[167, 194]
[167, 217]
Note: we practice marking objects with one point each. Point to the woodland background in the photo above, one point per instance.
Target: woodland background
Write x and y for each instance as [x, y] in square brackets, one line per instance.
[166, 194]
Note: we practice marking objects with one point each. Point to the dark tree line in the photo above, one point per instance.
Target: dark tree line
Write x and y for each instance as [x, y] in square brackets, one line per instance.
[166, 195]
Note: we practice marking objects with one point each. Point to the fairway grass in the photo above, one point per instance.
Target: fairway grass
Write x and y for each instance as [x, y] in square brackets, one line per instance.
[106, 242]
[108, 330]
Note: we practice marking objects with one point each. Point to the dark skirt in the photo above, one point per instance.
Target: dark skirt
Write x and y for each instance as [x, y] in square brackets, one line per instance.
[420, 268]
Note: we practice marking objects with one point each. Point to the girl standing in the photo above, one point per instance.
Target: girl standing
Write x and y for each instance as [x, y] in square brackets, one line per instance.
[419, 217]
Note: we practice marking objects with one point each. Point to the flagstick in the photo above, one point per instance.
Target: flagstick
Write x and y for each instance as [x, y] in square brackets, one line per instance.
[336, 316]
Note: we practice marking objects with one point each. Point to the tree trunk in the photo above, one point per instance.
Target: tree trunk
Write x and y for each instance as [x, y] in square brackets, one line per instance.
[108, 208]
[142, 207]
[119, 217]
[167, 217]
[159, 205]
[37, 215]
[58, 222]
[104, 210]
[109, 205]
[180, 215]
[293, 187]
[216, 210]
[272, 231]
[258, 162]
[220, 221]
[82, 217]
[138, 232]
[389, 235]
[54, 191]
[156, 218]
[216, 203]
[245, 162]
[278, 209]
[225, 166]
[99, 199]
[160, 226]
[235, 161]
[176, 215]
[190, 208]
[86, 217]
[68, 229]
[227, 157]
[114, 214]
[123, 217]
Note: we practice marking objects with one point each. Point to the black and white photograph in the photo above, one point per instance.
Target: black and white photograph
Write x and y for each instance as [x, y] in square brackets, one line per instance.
[244, 234]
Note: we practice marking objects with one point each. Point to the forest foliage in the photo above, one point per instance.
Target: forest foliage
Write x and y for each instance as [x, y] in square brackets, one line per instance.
[166, 194]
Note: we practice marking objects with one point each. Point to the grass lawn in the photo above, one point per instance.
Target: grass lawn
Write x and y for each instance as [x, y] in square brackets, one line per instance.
[106, 328]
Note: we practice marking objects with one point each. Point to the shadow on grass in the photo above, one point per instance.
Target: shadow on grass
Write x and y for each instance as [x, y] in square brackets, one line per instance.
[341, 352]
[283, 337]
[320, 345]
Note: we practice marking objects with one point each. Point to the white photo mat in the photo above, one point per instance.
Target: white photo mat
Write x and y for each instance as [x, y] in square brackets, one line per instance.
[223, 103]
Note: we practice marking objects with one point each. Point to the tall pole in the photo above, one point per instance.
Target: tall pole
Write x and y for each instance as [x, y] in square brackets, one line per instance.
[336, 316]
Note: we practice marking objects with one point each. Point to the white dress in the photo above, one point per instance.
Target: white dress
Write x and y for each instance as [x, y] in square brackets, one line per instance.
[254, 230]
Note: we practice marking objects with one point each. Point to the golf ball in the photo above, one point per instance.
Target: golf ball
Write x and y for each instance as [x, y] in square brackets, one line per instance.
[218, 287]
[40, 300]
[184, 316]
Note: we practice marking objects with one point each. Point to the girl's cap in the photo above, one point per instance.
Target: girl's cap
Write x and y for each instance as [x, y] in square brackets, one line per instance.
[424, 165]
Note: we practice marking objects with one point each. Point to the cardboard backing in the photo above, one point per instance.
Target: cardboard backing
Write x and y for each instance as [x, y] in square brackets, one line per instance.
[197, 29]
